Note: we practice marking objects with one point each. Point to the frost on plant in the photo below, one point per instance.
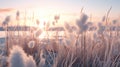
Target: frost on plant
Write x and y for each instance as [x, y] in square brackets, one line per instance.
[17, 57]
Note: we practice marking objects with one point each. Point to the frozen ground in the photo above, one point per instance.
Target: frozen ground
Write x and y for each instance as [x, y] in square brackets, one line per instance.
[2, 34]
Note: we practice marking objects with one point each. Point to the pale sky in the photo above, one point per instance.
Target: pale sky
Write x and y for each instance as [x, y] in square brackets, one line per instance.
[96, 8]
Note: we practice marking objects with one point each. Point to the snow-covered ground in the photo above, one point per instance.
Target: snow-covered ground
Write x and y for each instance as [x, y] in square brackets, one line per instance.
[2, 34]
[2, 38]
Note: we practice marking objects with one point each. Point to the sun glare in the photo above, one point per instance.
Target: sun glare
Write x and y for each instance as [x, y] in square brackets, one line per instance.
[43, 15]
[34, 14]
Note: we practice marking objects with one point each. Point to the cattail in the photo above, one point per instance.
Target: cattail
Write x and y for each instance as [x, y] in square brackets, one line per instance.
[101, 28]
[82, 20]
[114, 21]
[6, 21]
[17, 15]
[38, 32]
[57, 17]
[31, 44]
[103, 19]
[68, 27]
[90, 25]
[5, 25]
[84, 28]
[81, 23]
[17, 57]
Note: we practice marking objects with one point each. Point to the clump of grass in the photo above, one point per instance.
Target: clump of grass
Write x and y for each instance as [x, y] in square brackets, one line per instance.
[79, 48]
[18, 58]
